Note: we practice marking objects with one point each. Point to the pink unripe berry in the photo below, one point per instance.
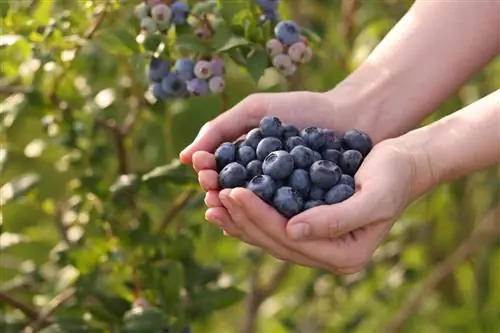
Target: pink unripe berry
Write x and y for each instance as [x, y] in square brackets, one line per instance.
[161, 13]
[282, 62]
[216, 84]
[300, 53]
[274, 47]
[203, 69]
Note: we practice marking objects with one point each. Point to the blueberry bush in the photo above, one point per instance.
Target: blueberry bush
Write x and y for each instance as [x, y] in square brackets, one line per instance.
[102, 228]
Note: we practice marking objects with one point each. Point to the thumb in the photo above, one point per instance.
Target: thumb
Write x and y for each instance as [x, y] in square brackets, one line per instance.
[227, 127]
[333, 221]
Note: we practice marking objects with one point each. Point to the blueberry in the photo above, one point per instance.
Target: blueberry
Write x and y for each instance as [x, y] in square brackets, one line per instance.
[174, 85]
[267, 146]
[317, 156]
[358, 140]
[218, 67]
[325, 174]
[316, 193]
[351, 161]
[332, 155]
[313, 203]
[254, 168]
[180, 12]
[245, 155]
[184, 67]
[338, 193]
[263, 186]
[157, 70]
[278, 164]
[197, 87]
[347, 180]
[239, 143]
[287, 201]
[288, 32]
[158, 92]
[293, 142]
[332, 141]
[268, 15]
[268, 5]
[300, 181]
[303, 157]
[289, 131]
[253, 138]
[270, 127]
[233, 175]
[225, 154]
[314, 137]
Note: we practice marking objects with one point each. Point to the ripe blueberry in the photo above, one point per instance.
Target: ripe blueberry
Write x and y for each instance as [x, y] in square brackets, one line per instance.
[270, 126]
[316, 193]
[174, 85]
[203, 69]
[245, 154]
[313, 203]
[289, 131]
[338, 193]
[158, 92]
[300, 181]
[254, 168]
[332, 141]
[332, 155]
[358, 140]
[218, 67]
[274, 47]
[267, 146]
[314, 137]
[288, 202]
[263, 186]
[180, 12]
[225, 154]
[184, 68]
[268, 5]
[253, 138]
[197, 87]
[232, 175]
[347, 180]
[288, 32]
[303, 157]
[293, 142]
[278, 164]
[158, 69]
[325, 174]
[351, 161]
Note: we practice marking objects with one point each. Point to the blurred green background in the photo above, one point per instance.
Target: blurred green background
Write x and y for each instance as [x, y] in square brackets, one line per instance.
[79, 243]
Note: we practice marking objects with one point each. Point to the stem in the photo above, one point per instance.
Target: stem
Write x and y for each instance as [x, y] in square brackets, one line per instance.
[179, 204]
[169, 140]
[224, 103]
[25, 309]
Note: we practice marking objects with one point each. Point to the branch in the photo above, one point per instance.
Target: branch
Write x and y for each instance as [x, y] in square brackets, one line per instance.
[276, 280]
[348, 12]
[25, 309]
[119, 141]
[179, 204]
[50, 308]
[485, 233]
[15, 90]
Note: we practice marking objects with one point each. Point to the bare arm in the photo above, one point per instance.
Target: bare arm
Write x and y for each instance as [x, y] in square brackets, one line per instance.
[457, 145]
[424, 59]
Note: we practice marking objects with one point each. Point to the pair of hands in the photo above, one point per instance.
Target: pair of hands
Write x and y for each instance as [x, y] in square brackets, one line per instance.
[339, 238]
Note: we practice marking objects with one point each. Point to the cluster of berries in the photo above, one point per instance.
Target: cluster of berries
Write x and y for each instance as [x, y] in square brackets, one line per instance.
[158, 16]
[293, 170]
[289, 48]
[269, 10]
[186, 77]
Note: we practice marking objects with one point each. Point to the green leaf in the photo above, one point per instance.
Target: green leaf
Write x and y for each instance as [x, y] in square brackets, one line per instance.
[204, 7]
[144, 320]
[190, 43]
[174, 172]
[171, 284]
[125, 184]
[257, 62]
[217, 299]
[117, 41]
[230, 8]
[310, 35]
[225, 40]
[151, 42]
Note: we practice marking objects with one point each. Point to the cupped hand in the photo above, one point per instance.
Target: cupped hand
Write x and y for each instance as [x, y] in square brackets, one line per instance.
[340, 238]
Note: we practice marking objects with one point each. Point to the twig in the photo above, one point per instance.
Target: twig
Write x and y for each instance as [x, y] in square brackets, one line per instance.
[15, 90]
[224, 103]
[276, 280]
[179, 204]
[25, 309]
[51, 307]
[485, 233]
[119, 140]
[348, 12]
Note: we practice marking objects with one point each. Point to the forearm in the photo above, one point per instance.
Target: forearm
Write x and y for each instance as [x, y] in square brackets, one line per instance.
[457, 145]
[425, 58]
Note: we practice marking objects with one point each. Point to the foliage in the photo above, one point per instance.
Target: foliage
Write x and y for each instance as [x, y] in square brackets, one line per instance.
[98, 214]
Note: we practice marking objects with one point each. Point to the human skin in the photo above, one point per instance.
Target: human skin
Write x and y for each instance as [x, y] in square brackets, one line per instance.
[421, 62]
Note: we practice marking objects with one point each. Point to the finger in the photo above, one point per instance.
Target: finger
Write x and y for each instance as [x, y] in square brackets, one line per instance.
[261, 239]
[209, 180]
[333, 254]
[226, 127]
[212, 199]
[331, 221]
[203, 161]
[221, 218]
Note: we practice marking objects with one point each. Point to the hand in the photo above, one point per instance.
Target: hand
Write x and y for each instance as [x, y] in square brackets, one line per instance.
[339, 238]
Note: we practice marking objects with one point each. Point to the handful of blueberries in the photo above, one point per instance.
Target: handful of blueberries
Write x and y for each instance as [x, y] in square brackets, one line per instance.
[293, 170]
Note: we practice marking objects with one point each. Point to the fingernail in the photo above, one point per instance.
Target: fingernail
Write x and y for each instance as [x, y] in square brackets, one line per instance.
[299, 231]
